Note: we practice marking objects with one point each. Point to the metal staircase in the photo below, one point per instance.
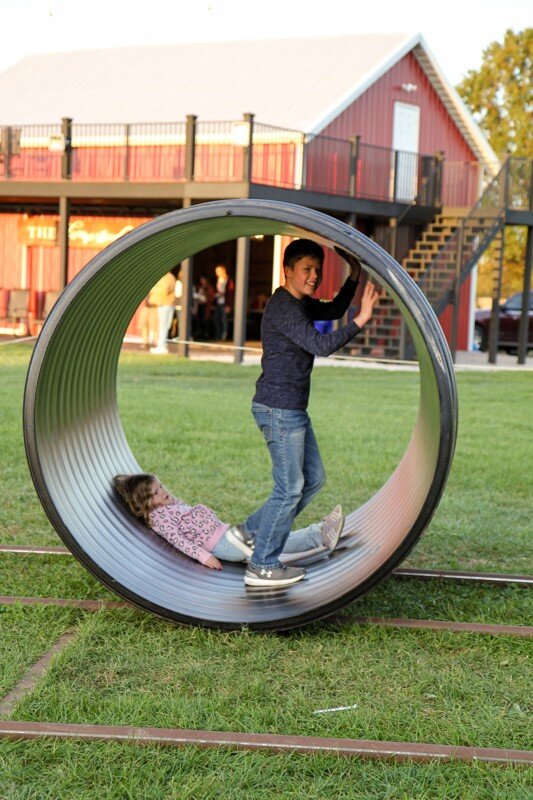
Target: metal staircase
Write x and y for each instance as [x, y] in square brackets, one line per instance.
[439, 263]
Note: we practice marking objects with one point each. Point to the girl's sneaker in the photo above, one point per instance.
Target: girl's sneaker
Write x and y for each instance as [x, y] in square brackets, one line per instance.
[235, 536]
[332, 526]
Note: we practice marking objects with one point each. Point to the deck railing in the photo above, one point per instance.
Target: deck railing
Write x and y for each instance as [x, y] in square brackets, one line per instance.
[232, 151]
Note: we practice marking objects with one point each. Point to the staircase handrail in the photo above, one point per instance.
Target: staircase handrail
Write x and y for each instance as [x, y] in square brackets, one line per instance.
[390, 244]
[457, 252]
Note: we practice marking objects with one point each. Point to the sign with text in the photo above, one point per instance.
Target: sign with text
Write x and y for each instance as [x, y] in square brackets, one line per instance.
[82, 231]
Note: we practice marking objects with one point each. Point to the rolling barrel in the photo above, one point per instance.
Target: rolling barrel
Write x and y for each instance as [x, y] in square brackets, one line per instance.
[75, 442]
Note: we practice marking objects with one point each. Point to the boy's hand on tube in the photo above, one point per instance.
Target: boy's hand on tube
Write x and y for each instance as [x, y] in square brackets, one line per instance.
[369, 298]
[352, 261]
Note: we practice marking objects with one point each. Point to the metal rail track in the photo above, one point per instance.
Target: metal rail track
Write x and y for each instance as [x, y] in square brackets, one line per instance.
[494, 578]
[340, 619]
[304, 745]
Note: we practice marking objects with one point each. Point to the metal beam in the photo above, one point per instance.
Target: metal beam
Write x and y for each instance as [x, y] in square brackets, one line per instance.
[523, 333]
[241, 296]
[62, 235]
[340, 203]
[493, 578]
[269, 742]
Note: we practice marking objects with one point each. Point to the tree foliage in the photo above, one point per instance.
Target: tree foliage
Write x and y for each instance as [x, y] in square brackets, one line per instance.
[500, 94]
[500, 97]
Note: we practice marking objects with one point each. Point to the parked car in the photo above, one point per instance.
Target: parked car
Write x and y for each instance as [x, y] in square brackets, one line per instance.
[510, 313]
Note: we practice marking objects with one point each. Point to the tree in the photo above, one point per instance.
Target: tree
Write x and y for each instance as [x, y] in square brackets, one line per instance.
[500, 97]
[500, 94]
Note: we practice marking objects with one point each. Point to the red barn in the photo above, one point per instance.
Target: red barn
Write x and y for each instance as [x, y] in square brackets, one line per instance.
[365, 128]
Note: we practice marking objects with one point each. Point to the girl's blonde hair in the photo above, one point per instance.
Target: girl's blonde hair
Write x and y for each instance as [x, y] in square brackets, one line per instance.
[136, 491]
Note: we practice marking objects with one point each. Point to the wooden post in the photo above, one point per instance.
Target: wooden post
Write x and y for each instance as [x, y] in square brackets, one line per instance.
[439, 172]
[354, 163]
[5, 150]
[66, 160]
[126, 174]
[190, 146]
[241, 296]
[248, 149]
[303, 174]
[395, 176]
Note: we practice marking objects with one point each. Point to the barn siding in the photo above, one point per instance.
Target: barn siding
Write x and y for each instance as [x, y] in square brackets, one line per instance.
[370, 115]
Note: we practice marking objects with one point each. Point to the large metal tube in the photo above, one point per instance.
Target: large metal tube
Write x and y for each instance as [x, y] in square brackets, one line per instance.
[75, 442]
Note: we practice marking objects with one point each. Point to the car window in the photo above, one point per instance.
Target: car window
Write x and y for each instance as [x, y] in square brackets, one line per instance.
[515, 302]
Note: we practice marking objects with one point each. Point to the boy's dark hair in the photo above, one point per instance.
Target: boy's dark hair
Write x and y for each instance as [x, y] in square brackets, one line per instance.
[301, 248]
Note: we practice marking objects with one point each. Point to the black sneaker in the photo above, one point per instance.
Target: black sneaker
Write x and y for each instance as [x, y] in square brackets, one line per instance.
[273, 576]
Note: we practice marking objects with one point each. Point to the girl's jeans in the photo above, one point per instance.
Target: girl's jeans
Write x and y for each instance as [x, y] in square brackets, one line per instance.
[298, 475]
[298, 542]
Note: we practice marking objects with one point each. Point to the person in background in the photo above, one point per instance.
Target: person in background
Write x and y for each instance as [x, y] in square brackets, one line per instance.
[223, 302]
[162, 298]
[178, 294]
[203, 295]
[148, 324]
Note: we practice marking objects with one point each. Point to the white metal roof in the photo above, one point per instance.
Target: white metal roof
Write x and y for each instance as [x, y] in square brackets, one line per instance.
[300, 83]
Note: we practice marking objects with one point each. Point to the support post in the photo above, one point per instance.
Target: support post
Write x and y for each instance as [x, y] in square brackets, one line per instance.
[185, 316]
[396, 170]
[354, 162]
[5, 150]
[393, 227]
[456, 295]
[248, 149]
[402, 347]
[439, 173]
[523, 333]
[494, 328]
[66, 160]
[241, 296]
[64, 220]
[190, 146]
[303, 171]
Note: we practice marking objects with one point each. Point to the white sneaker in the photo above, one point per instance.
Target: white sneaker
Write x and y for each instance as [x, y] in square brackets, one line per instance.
[159, 351]
[234, 536]
[332, 526]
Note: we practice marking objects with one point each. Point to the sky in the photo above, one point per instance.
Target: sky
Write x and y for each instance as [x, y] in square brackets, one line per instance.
[456, 31]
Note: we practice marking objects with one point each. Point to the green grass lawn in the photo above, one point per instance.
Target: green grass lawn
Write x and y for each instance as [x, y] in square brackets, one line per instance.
[190, 422]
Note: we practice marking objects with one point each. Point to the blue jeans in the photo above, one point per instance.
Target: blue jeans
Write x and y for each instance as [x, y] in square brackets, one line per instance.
[298, 542]
[298, 475]
[220, 322]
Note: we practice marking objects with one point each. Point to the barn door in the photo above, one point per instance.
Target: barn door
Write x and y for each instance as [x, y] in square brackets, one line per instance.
[405, 137]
